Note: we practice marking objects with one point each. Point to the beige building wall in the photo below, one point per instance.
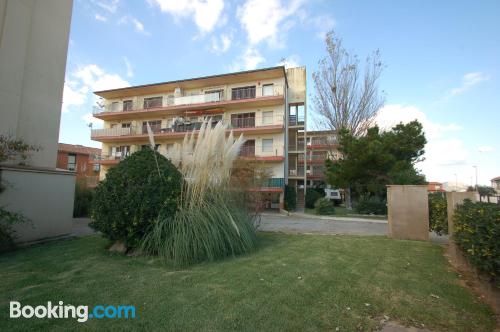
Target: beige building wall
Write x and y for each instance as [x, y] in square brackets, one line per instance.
[33, 47]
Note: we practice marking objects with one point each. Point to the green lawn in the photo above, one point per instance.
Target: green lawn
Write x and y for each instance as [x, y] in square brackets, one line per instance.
[292, 282]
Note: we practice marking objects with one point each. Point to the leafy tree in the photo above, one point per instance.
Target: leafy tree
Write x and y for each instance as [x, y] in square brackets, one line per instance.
[370, 162]
[485, 191]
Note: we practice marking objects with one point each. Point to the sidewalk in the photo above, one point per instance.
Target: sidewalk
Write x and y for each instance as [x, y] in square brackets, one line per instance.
[336, 218]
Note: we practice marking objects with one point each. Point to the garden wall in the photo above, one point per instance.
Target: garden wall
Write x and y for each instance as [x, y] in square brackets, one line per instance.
[43, 195]
[408, 212]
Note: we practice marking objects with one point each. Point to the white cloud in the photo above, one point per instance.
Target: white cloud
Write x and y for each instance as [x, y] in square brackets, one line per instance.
[138, 25]
[322, 24]
[468, 81]
[390, 115]
[108, 5]
[101, 18]
[485, 149]
[250, 59]
[128, 65]
[80, 84]
[221, 44]
[73, 96]
[290, 62]
[205, 13]
[443, 154]
[267, 20]
[89, 118]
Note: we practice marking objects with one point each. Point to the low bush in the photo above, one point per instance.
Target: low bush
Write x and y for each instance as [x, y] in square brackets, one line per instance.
[290, 198]
[438, 216]
[323, 206]
[7, 233]
[312, 195]
[477, 233]
[83, 201]
[133, 195]
[371, 205]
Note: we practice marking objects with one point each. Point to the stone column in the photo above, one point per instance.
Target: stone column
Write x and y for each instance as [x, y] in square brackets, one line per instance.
[408, 212]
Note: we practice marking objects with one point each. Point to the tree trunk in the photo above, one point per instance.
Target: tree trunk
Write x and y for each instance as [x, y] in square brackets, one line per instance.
[348, 202]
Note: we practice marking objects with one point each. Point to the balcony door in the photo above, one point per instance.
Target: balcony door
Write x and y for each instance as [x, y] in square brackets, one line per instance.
[248, 149]
[155, 126]
[246, 92]
[243, 120]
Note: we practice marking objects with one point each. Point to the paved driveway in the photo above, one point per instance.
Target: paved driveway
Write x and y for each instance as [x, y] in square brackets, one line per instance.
[304, 224]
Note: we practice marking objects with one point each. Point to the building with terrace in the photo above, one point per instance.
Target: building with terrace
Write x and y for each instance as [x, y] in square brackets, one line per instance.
[268, 106]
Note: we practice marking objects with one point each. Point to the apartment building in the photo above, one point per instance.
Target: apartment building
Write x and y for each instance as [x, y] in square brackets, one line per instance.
[77, 158]
[267, 106]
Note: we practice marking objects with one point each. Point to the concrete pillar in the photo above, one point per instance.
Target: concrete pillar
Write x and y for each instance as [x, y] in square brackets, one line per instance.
[452, 200]
[408, 212]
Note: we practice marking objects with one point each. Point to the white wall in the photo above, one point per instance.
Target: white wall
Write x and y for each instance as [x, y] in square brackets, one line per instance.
[33, 47]
[44, 196]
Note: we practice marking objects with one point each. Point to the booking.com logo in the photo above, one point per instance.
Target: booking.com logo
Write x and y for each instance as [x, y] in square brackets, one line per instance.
[81, 312]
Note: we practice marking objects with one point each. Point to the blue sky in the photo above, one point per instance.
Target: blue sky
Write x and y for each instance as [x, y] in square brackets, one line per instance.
[442, 58]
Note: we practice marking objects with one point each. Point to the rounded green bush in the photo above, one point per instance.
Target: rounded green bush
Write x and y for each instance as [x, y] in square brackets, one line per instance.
[312, 195]
[324, 206]
[133, 195]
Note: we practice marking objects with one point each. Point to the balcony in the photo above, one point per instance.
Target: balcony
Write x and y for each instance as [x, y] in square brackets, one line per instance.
[313, 159]
[259, 153]
[322, 142]
[180, 126]
[105, 159]
[267, 95]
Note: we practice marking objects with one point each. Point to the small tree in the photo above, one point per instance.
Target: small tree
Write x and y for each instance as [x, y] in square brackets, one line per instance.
[485, 191]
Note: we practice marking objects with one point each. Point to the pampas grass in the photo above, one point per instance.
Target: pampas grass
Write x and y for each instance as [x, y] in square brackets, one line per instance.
[213, 221]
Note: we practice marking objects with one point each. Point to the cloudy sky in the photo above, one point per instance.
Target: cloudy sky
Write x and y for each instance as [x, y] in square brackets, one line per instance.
[442, 58]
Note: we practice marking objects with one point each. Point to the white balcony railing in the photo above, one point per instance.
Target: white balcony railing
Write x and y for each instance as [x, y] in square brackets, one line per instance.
[117, 131]
[221, 96]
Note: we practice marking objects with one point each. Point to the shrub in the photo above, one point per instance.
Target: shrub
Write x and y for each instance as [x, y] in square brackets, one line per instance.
[212, 221]
[312, 195]
[438, 216]
[477, 233]
[371, 205]
[133, 195]
[7, 234]
[323, 206]
[290, 198]
[83, 200]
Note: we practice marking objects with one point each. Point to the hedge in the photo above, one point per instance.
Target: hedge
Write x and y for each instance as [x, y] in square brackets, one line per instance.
[438, 215]
[371, 205]
[290, 198]
[477, 233]
[324, 206]
[312, 195]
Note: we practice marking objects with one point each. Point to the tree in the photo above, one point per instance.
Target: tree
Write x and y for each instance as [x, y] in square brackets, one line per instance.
[346, 98]
[485, 191]
[372, 161]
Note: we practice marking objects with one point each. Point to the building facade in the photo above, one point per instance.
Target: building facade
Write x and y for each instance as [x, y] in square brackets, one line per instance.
[267, 106]
[80, 159]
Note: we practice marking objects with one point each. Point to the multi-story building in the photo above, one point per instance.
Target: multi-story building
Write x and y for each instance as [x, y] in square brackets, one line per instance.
[76, 158]
[268, 106]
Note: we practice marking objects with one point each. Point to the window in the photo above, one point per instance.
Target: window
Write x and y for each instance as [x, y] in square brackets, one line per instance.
[243, 92]
[128, 105]
[114, 106]
[296, 114]
[126, 125]
[71, 162]
[97, 167]
[267, 118]
[214, 95]
[120, 151]
[267, 145]
[155, 126]
[153, 102]
[268, 90]
[243, 120]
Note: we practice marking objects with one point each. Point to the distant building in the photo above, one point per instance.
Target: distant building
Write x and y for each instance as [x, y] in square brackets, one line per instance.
[76, 158]
[495, 183]
[434, 187]
[455, 186]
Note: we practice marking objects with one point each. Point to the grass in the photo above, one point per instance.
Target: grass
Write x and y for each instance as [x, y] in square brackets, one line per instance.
[342, 211]
[293, 282]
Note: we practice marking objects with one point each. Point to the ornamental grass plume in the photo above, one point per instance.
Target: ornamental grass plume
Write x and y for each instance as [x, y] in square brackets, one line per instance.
[212, 221]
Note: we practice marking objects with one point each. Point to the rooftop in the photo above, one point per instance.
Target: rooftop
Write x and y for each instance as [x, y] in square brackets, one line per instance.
[71, 148]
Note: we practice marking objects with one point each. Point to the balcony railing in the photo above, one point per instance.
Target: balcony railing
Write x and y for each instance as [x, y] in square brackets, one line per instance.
[107, 157]
[259, 151]
[274, 183]
[322, 141]
[294, 120]
[117, 131]
[220, 96]
[314, 157]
